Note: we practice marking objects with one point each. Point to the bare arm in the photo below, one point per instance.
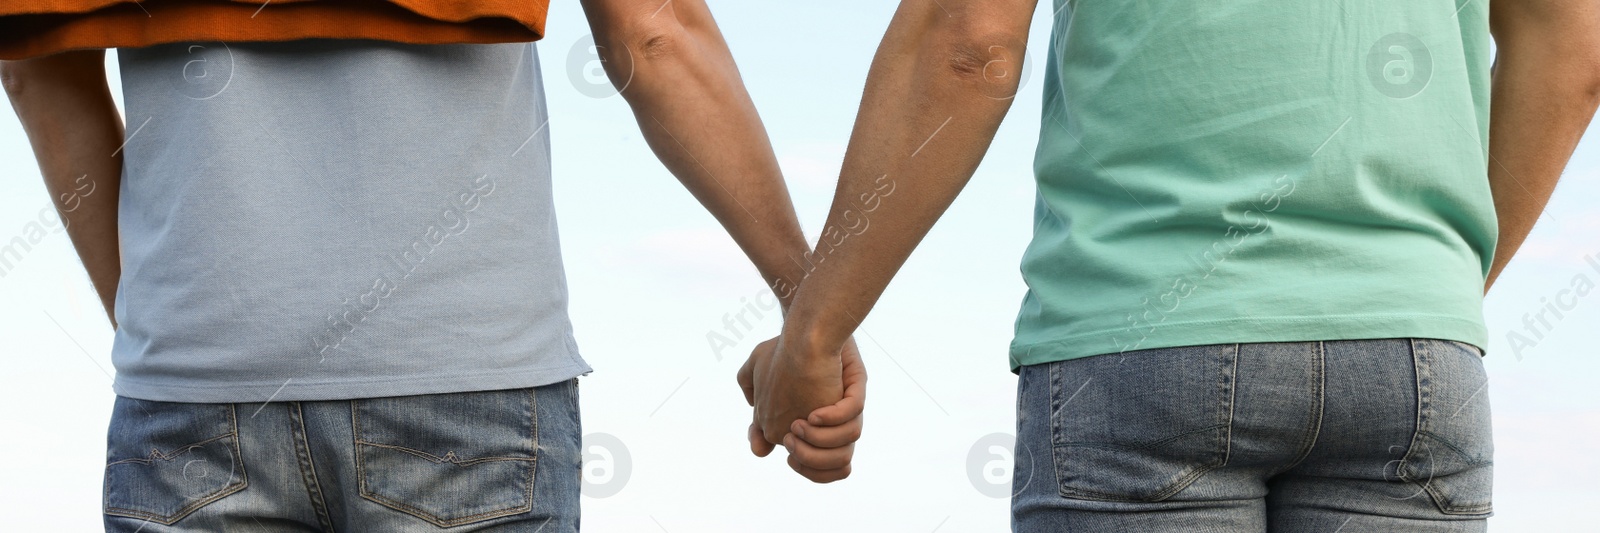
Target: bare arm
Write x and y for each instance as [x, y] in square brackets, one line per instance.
[942, 80]
[66, 109]
[671, 63]
[1546, 88]
[673, 67]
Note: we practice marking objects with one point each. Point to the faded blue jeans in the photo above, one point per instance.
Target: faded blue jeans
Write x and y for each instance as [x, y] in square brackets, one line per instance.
[503, 461]
[1337, 436]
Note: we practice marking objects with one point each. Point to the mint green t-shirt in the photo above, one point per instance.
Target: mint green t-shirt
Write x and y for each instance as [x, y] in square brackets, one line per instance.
[1259, 171]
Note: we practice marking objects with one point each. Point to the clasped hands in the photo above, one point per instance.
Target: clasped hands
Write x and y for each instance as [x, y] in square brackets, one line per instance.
[808, 397]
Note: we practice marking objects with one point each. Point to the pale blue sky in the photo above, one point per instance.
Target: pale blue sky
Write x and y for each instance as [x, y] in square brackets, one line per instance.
[651, 274]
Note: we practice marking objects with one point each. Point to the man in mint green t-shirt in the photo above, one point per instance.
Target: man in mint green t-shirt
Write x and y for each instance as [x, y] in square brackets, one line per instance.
[1263, 232]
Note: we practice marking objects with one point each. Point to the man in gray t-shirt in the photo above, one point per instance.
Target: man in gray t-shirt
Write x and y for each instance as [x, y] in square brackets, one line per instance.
[339, 286]
[395, 201]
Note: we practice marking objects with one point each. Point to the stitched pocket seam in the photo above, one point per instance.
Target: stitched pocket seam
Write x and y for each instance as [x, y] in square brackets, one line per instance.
[185, 511]
[1227, 361]
[447, 458]
[1422, 358]
[527, 500]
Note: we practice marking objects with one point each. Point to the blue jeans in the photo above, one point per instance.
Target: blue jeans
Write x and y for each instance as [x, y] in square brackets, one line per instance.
[503, 461]
[1364, 435]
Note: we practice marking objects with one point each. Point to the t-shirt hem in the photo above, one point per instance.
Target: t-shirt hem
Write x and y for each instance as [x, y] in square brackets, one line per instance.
[1253, 330]
[345, 389]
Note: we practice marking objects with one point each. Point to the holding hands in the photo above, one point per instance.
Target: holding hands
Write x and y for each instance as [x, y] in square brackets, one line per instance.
[808, 397]
[921, 132]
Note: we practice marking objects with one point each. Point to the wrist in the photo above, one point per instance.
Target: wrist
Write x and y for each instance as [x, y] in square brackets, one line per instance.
[783, 272]
[784, 289]
[807, 333]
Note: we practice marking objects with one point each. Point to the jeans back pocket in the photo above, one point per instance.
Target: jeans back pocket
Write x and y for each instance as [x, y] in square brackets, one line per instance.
[1452, 454]
[1140, 426]
[449, 459]
[165, 460]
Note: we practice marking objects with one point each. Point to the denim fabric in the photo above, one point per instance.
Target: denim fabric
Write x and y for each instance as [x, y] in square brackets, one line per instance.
[1357, 435]
[504, 461]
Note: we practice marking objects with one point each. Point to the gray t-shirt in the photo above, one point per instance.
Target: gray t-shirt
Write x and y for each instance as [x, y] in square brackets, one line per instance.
[333, 219]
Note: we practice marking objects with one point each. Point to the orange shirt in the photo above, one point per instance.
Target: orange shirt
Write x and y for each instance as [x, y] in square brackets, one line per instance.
[30, 28]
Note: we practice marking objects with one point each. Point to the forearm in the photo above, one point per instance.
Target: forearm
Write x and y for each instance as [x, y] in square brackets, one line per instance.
[1546, 88]
[66, 109]
[675, 70]
[939, 86]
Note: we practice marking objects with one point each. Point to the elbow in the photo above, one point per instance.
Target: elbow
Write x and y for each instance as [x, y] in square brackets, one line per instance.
[986, 59]
[43, 75]
[650, 42]
[1582, 65]
[980, 48]
[1553, 41]
[1581, 79]
[983, 63]
[659, 42]
[11, 77]
[1591, 83]
[634, 45]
